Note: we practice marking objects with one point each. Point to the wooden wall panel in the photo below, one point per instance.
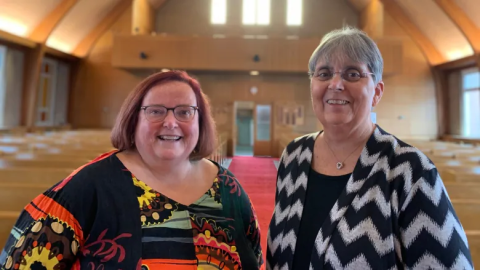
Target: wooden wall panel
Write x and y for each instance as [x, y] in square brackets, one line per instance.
[409, 91]
[230, 54]
[212, 54]
[408, 108]
[277, 90]
[187, 17]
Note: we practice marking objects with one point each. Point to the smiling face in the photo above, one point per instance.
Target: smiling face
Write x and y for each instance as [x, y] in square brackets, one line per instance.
[169, 139]
[341, 102]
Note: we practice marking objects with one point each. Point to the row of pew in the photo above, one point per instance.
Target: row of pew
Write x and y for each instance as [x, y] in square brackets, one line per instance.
[30, 163]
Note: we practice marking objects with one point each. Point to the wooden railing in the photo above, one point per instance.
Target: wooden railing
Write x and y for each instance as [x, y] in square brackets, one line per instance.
[284, 140]
[220, 153]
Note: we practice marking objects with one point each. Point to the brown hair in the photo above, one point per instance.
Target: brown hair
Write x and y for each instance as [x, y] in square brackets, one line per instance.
[122, 136]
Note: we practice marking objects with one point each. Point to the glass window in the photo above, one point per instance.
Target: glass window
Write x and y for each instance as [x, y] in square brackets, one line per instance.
[471, 80]
[219, 12]
[471, 103]
[3, 56]
[256, 12]
[263, 122]
[294, 12]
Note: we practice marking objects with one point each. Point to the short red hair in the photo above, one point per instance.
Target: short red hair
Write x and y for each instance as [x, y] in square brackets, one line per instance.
[122, 136]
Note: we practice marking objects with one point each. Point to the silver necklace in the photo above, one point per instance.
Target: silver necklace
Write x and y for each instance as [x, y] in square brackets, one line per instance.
[340, 164]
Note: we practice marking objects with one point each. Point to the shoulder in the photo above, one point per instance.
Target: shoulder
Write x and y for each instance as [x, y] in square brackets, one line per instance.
[87, 175]
[300, 148]
[229, 182]
[301, 142]
[226, 177]
[398, 157]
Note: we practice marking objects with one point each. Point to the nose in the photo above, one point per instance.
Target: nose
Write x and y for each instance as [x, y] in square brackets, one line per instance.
[170, 122]
[336, 82]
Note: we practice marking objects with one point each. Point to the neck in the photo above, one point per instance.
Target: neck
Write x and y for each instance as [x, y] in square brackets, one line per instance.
[173, 172]
[346, 138]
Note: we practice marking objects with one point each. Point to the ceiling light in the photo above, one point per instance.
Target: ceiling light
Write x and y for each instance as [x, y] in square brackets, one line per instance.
[254, 73]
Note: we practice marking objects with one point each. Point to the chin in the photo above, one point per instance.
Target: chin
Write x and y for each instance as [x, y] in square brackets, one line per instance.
[168, 155]
[336, 120]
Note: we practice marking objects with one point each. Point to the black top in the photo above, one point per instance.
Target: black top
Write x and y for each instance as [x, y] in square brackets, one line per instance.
[322, 193]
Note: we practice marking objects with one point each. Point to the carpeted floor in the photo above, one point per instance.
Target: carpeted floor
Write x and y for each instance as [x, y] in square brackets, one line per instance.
[258, 178]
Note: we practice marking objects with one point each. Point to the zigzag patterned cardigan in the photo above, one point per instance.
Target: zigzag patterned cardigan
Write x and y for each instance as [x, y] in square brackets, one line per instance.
[393, 214]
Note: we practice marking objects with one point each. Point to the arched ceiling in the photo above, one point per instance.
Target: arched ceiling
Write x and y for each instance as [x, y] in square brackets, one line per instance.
[78, 23]
[22, 17]
[437, 27]
[471, 9]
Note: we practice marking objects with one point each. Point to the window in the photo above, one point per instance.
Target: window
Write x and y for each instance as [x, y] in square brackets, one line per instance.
[219, 12]
[256, 12]
[11, 84]
[3, 54]
[294, 12]
[52, 93]
[471, 103]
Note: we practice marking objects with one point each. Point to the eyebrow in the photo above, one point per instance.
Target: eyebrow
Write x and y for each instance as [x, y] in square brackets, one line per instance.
[324, 67]
[345, 68]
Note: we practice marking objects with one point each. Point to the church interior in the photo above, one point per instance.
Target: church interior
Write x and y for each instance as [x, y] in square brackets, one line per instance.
[66, 67]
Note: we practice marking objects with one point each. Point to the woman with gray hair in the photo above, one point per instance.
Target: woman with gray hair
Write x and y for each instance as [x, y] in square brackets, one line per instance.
[353, 196]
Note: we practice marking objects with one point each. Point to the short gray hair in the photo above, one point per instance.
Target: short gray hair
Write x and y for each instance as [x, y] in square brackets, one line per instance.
[351, 43]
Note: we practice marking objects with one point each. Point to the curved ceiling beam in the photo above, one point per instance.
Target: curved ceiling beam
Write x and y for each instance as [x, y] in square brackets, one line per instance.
[358, 5]
[156, 4]
[11, 38]
[45, 28]
[461, 20]
[83, 48]
[432, 54]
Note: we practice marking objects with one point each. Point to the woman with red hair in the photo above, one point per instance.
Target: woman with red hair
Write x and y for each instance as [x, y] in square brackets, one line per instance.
[154, 203]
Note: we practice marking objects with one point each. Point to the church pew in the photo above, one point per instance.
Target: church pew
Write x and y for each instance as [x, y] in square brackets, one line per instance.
[47, 176]
[468, 211]
[61, 164]
[466, 191]
[14, 196]
[7, 221]
[47, 158]
[473, 238]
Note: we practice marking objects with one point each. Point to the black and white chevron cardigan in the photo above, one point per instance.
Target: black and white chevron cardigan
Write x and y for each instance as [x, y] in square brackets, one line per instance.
[393, 214]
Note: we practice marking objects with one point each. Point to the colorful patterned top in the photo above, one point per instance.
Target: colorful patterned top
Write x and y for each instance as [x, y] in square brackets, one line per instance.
[102, 217]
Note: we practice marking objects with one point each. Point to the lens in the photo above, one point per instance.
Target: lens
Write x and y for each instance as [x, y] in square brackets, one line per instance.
[184, 113]
[155, 114]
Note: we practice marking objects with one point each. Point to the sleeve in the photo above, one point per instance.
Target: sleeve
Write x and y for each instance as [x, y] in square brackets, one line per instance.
[280, 172]
[46, 235]
[252, 228]
[431, 235]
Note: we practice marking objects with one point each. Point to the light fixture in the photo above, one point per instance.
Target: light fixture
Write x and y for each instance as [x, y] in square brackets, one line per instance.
[254, 72]
[165, 70]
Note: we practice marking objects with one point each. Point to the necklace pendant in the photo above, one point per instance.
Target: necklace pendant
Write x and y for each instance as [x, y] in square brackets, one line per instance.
[339, 165]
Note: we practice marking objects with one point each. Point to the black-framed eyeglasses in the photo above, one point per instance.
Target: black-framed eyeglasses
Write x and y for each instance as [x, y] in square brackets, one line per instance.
[158, 113]
[349, 75]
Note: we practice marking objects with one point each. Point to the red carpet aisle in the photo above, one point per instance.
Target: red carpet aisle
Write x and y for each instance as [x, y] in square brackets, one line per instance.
[258, 177]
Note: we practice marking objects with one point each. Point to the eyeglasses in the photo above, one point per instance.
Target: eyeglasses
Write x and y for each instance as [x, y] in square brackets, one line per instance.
[349, 75]
[158, 113]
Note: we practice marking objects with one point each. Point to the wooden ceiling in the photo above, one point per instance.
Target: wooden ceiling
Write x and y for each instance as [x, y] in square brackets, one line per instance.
[450, 29]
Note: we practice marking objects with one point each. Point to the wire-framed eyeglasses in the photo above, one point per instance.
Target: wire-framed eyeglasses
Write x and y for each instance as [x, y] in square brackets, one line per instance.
[349, 75]
[158, 113]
